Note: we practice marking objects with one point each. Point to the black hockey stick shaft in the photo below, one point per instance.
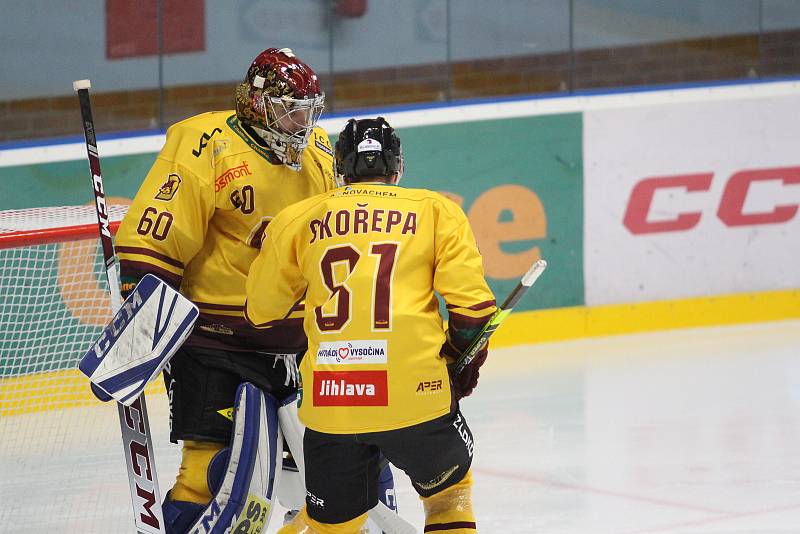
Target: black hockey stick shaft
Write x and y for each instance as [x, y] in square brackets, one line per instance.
[82, 87]
[133, 421]
[499, 316]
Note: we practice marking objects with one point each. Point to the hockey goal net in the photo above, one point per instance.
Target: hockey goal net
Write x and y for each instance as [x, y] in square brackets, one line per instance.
[53, 303]
[61, 457]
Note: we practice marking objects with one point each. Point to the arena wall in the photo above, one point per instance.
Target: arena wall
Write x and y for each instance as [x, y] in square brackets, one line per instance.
[654, 209]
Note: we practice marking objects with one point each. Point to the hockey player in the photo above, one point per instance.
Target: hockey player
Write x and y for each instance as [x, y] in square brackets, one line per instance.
[197, 223]
[369, 258]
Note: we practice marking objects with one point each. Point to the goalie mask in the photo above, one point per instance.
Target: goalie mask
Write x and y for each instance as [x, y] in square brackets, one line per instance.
[281, 99]
[368, 149]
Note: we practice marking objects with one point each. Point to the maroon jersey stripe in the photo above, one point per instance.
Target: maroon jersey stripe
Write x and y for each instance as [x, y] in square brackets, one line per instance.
[139, 268]
[475, 307]
[438, 527]
[152, 253]
[220, 307]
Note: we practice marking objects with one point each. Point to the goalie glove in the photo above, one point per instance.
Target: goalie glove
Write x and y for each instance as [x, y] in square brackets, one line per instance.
[464, 382]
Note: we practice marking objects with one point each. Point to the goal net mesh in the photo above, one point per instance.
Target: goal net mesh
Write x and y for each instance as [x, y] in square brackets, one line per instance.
[53, 303]
[61, 460]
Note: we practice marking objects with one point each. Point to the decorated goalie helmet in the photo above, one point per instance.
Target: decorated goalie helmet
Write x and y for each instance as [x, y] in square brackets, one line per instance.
[368, 149]
[281, 99]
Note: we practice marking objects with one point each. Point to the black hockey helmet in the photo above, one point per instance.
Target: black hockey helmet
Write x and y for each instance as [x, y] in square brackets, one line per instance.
[368, 148]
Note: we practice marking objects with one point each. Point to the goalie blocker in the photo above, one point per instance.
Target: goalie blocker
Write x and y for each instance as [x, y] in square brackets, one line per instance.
[145, 332]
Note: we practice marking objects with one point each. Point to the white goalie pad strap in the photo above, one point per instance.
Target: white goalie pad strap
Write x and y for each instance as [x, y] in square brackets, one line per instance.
[151, 325]
[292, 491]
[293, 430]
[243, 502]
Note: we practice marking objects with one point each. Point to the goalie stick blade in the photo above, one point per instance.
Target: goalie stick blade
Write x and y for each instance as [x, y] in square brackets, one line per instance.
[150, 326]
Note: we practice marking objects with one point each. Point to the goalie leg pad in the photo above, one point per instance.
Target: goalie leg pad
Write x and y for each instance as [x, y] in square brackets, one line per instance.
[292, 491]
[292, 429]
[252, 465]
[178, 515]
[385, 496]
[386, 485]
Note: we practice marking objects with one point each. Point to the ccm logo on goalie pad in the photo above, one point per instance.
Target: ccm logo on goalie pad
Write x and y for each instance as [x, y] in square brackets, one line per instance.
[146, 331]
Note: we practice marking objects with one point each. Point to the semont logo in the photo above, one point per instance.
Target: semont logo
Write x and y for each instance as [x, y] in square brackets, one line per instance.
[230, 175]
[352, 352]
[350, 388]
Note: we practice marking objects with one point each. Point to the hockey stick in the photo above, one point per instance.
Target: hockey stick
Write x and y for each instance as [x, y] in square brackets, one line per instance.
[133, 421]
[502, 312]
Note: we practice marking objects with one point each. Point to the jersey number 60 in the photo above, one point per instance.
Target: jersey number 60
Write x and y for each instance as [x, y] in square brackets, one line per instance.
[154, 222]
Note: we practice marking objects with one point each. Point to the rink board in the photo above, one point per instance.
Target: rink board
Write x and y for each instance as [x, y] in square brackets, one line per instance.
[66, 388]
[655, 210]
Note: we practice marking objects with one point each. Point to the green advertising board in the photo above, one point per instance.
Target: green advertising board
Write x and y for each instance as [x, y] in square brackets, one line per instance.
[519, 180]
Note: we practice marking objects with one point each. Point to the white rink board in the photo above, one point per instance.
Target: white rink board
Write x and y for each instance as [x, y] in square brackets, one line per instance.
[719, 138]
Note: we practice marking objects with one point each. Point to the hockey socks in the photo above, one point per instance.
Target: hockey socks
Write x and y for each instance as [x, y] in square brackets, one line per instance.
[450, 510]
[193, 483]
[303, 524]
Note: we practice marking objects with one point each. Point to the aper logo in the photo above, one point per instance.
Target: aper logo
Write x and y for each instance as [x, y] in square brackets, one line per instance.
[352, 352]
[350, 388]
[426, 387]
[170, 187]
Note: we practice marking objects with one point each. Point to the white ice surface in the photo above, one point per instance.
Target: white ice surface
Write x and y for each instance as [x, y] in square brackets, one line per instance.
[689, 431]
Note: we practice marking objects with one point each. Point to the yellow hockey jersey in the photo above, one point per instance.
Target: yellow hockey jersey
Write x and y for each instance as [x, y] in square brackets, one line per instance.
[199, 217]
[369, 259]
